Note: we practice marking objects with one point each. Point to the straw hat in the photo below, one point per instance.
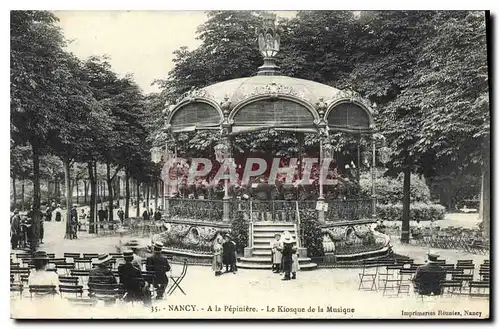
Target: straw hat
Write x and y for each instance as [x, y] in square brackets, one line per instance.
[128, 254]
[158, 246]
[287, 237]
[102, 259]
[432, 255]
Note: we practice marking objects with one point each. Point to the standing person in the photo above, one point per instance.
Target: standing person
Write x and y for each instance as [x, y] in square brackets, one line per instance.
[121, 214]
[101, 214]
[159, 264]
[228, 254]
[158, 215]
[15, 229]
[130, 277]
[73, 221]
[145, 215]
[288, 250]
[295, 263]
[217, 258]
[58, 213]
[82, 219]
[48, 214]
[276, 253]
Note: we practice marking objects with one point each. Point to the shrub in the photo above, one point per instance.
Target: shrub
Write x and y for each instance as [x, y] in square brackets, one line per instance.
[310, 230]
[389, 190]
[239, 231]
[421, 211]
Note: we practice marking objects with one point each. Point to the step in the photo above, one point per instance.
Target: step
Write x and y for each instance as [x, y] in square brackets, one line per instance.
[265, 260]
[268, 234]
[253, 266]
[264, 239]
[262, 253]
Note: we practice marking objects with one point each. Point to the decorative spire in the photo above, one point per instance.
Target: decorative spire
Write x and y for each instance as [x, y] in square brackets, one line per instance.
[269, 45]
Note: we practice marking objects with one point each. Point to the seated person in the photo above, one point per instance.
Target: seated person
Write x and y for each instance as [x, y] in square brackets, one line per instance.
[130, 277]
[428, 277]
[40, 276]
[102, 273]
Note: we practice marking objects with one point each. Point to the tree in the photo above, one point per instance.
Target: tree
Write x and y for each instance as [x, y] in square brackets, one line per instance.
[36, 53]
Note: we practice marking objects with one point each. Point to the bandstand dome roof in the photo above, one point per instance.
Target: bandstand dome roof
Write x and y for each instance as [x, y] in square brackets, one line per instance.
[270, 100]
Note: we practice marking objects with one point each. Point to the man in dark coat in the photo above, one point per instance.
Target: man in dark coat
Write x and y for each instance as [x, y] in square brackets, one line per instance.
[145, 215]
[158, 215]
[428, 277]
[131, 279]
[288, 250]
[15, 229]
[158, 264]
[121, 214]
[229, 254]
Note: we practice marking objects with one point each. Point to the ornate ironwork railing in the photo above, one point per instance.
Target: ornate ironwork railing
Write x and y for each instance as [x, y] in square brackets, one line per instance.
[197, 209]
[353, 209]
[275, 210]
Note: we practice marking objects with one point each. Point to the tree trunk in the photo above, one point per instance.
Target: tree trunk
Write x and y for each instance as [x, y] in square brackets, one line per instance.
[405, 225]
[77, 192]
[156, 194]
[484, 207]
[137, 186]
[36, 197]
[22, 196]
[127, 194]
[69, 197]
[110, 191]
[118, 190]
[14, 191]
[93, 190]
[85, 191]
[147, 196]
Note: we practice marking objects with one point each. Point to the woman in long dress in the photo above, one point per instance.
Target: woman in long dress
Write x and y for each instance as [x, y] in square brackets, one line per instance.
[276, 253]
[217, 258]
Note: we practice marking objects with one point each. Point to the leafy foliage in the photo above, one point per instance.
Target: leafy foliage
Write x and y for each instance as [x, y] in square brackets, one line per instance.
[420, 211]
[311, 232]
[239, 231]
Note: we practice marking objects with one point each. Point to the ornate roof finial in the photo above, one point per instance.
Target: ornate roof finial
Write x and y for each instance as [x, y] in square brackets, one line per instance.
[269, 45]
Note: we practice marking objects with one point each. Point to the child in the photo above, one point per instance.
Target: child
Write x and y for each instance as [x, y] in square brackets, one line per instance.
[276, 253]
[295, 263]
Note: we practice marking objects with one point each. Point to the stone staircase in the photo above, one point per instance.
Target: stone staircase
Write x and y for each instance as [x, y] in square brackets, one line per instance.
[258, 255]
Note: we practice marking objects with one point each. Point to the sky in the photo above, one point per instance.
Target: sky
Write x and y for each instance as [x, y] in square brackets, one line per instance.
[137, 42]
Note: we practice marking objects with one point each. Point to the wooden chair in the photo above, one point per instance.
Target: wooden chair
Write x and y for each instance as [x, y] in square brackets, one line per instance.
[83, 274]
[71, 255]
[57, 261]
[368, 276]
[16, 289]
[107, 292]
[82, 263]
[42, 290]
[17, 272]
[177, 279]
[90, 255]
[71, 289]
[467, 268]
[463, 278]
[479, 289]
[68, 280]
[390, 272]
[65, 267]
[451, 287]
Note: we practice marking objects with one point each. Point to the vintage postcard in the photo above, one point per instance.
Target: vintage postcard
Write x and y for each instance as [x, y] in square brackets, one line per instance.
[250, 165]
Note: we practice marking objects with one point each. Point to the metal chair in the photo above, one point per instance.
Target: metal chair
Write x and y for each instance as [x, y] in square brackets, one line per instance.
[176, 280]
[481, 289]
[71, 289]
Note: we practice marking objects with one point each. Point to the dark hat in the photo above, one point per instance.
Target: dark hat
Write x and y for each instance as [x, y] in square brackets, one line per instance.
[40, 255]
[227, 236]
[103, 258]
[128, 254]
[16, 211]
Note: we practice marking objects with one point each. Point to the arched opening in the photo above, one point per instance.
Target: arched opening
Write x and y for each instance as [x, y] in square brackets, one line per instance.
[195, 115]
[348, 115]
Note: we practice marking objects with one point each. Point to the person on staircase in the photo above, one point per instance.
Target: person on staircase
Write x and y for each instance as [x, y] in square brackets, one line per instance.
[276, 253]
